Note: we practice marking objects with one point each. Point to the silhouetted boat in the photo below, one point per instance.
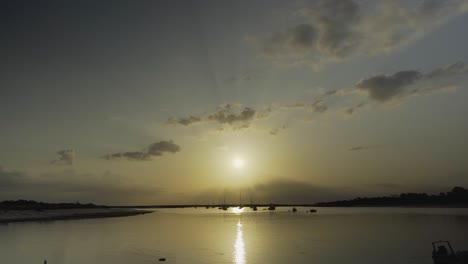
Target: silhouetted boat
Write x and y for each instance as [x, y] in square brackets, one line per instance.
[271, 208]
[253, 207]
[241, 206]
[312, 210]
[224, 207]
[294, 210]
[442, 253]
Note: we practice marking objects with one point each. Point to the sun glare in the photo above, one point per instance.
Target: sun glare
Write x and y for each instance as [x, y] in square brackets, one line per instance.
[238, 163]
[237, 210]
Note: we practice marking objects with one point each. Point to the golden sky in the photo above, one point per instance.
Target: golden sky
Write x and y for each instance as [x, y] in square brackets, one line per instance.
[155, 102]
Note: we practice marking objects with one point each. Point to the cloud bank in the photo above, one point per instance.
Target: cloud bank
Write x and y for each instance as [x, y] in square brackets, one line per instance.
[384, 88]
[341, 29]
[153, 150]
[232, 115]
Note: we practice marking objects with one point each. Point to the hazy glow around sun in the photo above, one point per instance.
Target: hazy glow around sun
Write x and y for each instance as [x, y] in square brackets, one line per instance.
[238, 163]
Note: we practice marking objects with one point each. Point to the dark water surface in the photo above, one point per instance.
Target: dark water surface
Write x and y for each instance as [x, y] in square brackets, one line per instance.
[332, 235]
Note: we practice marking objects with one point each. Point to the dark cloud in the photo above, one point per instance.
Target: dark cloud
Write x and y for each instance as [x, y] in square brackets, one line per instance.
[358, 148]
[383, 88]
[355, 108]
[301, 37]
[276, 131]
[131, 155]
[227, 114]
[185, 121]
[66, 157]
[339, 29]
[158, 148]
[458, 68]
[155, 149]
[236, 117]
[336, 19]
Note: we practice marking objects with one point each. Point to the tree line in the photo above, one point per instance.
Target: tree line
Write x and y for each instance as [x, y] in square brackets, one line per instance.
[457, 197]
[39, 206]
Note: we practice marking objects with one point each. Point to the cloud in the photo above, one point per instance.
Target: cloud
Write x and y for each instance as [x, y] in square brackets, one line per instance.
[301, 38]
[355, 108]
[66, 157]
[276, 131]
[185, 121]
[340, 29]
[318, 106]
[379, 88]
[383, 88]
[356, 148]
[359, 148]
[155, 149]
[232, 114]
[451, 70]
[224, 116]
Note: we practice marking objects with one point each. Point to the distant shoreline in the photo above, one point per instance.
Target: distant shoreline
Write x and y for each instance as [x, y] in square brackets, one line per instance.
[11, 216]
[283, 205]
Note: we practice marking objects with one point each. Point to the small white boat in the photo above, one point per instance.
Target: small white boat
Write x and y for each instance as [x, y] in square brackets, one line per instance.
[443, 253]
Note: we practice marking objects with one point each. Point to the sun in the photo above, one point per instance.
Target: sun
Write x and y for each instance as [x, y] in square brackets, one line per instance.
[238, 163]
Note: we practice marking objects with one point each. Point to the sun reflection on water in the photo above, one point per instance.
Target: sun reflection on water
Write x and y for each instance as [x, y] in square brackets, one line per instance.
[239, 251]
[237, 210]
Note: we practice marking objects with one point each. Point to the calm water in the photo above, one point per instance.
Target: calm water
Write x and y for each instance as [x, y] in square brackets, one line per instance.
[332, 235]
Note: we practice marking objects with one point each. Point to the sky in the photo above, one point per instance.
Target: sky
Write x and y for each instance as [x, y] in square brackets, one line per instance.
[172, 102]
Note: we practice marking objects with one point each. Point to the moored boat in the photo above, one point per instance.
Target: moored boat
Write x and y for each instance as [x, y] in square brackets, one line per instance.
[443, 253]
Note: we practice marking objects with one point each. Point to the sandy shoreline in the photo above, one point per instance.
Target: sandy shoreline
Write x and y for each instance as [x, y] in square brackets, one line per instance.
[65, 214]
